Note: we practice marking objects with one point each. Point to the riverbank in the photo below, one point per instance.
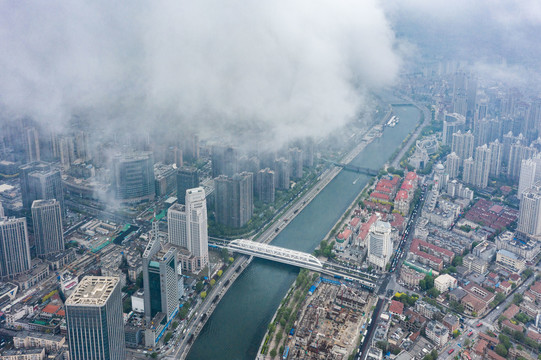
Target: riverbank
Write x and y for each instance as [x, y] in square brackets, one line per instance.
[343, 219]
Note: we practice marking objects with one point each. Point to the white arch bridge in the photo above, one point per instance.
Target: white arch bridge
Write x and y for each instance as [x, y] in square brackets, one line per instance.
[291, 257]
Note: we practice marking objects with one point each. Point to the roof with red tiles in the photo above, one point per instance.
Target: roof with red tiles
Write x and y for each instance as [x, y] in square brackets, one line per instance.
[396, 307]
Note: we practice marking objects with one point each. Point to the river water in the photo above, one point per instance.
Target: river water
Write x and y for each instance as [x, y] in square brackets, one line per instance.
[237, 326]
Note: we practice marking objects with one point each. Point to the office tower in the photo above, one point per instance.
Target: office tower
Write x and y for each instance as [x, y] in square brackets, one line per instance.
[380, 245]
[234, 199]
[177, 226]
[481, 167]
[133, 177]
[264, 185]
[308, 153]
[187, 226]
[496, 149]
[468, 172]
[191, 148]
[527, 176]
[517, 153]
[462, 144]
[160, 279]
[529, 219]
[39, 181]
[187, 178]
[14, 247]
[94, 320]
[196, 209]
[224, 161]
[295, 162]
[281, 174]
[452, 164]
[31, 144]
[1, 211]
[451, 124]
[48, 232]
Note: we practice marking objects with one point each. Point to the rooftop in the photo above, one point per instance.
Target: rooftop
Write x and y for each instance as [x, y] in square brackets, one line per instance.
[93, 291]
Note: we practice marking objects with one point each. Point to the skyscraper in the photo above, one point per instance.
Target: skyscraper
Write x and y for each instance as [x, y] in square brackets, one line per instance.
[529, 220]
[451, 124]
[527, 176]
[452, 165]
[234, 204]
[160, 279]
[463, 144]
[94, 320]
[295, 161]
[187, 226]
[224, 161]
[281, 174]
[14, 247]
[264, 185]
[39, 181]
[496, 149]
[31, 144]
[481, 167]
[517, 153]
[48, 232]
[380, 245]
[133, 177]
[468, 173]
[187, 178]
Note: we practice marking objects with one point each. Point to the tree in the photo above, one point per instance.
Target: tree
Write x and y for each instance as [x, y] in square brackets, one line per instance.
[203, 294]
[174, 324]
[501, 350]
[139, 280]
[433, 293]
[212, 282]
[199, 286]
[154, 355]
[527, 273]
[167, 337]
[231, 260]
[225, 254]
[517, 298]
[273, 353]
[220, 273]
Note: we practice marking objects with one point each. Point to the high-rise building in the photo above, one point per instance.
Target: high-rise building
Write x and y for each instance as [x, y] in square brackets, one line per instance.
[187, 178]
[187, 226]
[527, 176]
[234, 199]
[451, 124]
[264, 185]
[452, 165]
[508, 140]
[308, 153]
[133, 177]
[380, 245]
[14, 247]
[48, 232]
[462, 144]
[295, 161]
[31, 144]
[224, 161]
[39, 181]
[160, 279]
[517, 153]
[281, 174]
[496, 149]
[468, 172]
[529, 220]
[481, 167]
[94, 320]
[486, 131]
[196, 209]
[1, 211]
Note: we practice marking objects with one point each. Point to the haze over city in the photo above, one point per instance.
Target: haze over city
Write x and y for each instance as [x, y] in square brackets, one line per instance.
[268, 180]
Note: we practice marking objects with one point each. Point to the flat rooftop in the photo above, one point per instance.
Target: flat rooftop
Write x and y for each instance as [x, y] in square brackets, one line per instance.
[93, 291]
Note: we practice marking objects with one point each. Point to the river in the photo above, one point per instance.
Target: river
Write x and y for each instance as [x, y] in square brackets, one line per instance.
[235, 329]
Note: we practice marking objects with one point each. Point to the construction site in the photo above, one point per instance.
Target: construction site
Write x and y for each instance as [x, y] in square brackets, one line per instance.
[332, 319]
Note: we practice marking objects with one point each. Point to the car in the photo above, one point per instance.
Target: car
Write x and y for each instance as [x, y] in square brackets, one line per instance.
[480, 324]
[470, 333]
[451, 351]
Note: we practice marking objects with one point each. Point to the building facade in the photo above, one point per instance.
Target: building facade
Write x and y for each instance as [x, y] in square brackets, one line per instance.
[187, 178]
[380, 245]
[14, 247]
[234, 204]
[133, 177]
[48, 232]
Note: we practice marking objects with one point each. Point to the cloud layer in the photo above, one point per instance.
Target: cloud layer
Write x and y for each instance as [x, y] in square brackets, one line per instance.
[282, 68]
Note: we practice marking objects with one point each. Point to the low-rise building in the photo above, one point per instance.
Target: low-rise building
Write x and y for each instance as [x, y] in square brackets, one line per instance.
[510, 261]
[28, 340]
[410, 277]
[444, 283]
[475, 264]
[451, 322]
[438, 333]
[28, 354]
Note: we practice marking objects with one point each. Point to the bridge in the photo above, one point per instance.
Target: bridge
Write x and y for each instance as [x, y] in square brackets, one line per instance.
[294, 258]
[353, 168]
